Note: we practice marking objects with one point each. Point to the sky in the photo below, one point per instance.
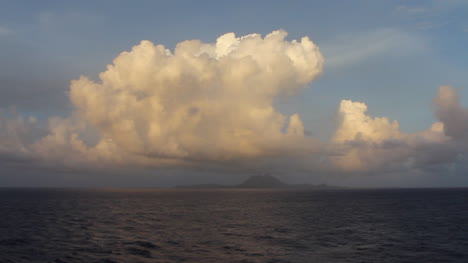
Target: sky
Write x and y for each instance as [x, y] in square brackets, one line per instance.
[158, 93]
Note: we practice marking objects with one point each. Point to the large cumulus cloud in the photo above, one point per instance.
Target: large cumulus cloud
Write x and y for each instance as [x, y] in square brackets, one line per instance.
[202, 101]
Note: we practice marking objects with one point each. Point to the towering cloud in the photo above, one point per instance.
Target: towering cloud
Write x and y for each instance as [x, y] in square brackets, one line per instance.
[200, 102]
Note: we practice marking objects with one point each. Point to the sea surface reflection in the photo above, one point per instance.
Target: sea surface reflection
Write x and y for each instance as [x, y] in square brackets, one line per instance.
[181, 225]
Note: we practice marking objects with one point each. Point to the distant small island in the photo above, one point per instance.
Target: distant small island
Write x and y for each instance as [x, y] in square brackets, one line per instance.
[264, 181]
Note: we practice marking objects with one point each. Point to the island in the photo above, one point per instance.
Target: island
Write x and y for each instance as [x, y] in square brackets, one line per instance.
[264, 181]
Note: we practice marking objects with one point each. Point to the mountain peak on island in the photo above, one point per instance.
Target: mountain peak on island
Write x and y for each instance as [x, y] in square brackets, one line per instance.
[262, 181]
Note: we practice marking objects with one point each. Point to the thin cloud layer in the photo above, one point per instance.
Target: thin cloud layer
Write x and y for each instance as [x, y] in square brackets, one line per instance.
[351, 49]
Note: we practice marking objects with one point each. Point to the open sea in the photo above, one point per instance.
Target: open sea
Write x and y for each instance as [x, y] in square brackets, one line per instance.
[230, 225]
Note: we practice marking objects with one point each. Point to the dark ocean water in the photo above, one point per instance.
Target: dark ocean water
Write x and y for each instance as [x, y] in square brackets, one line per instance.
[69, 225]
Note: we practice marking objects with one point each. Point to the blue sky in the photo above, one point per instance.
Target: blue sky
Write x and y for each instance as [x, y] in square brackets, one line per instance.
[391, 55]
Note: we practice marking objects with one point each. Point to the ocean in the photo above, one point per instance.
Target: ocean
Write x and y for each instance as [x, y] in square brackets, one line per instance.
[233, 225]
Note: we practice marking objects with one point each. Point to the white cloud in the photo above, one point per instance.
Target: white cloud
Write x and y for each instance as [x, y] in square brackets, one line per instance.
[361, 142]
[356, 125]
[202, 102]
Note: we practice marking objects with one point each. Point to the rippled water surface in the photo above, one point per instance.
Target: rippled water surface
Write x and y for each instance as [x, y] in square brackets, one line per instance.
[69, 225]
